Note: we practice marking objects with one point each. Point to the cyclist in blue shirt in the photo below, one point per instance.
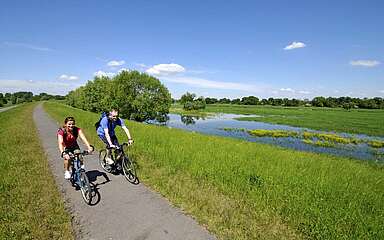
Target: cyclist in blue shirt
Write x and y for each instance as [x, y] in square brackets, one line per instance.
[106, 132]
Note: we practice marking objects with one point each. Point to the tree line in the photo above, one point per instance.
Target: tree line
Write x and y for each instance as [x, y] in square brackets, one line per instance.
[137, 96]
[21, 97]
[331, 102]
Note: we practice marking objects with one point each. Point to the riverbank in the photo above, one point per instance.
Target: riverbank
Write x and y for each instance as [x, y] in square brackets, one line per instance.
[245, 190]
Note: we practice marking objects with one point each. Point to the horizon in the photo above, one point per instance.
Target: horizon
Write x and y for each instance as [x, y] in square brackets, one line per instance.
[213, 49]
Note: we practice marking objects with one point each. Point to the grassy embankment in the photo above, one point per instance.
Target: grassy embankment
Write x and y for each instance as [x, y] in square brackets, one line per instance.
[245, 190]
[30, 205]
[360, 121]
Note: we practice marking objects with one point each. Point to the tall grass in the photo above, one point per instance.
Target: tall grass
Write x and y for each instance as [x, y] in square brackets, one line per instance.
[30, 204]
[245, 190]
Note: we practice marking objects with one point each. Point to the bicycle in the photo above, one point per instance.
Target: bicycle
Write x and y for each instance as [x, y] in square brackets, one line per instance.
[78, 176]
[122, 163]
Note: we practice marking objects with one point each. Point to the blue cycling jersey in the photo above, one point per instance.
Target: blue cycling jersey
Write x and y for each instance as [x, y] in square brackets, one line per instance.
[111, 128]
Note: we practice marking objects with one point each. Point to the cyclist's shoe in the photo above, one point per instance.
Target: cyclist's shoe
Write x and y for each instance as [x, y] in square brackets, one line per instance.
[109, 160]
[82, 167]
[67, 175]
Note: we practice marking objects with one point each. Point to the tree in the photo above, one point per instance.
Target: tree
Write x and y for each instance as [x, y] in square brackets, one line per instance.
[210, 100]
[190, 103]
[140, 96]
[136, 95]
[264, 101]
[251, 100]
[236, 101]
[318, 102]
[187, 97]
[225, 100]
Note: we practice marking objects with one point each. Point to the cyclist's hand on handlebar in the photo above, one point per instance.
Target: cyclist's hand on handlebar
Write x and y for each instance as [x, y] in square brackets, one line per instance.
[90, 150]
[66, 156]
[112, 146]
[130, 141]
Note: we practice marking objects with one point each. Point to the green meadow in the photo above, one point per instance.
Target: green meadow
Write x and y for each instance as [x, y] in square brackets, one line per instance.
[31, 206]
[245, 190]
[360, 121]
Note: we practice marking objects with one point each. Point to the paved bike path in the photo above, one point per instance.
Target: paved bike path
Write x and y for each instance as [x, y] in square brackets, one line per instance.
[121, 210]
[7, 108]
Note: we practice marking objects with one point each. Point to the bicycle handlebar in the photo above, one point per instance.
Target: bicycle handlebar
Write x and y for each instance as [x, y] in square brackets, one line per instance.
[121, 145]
[84, 152]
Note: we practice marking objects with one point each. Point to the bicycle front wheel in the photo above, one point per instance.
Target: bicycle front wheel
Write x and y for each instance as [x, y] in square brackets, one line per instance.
[129, 170]
[103, 163]
[85, 188]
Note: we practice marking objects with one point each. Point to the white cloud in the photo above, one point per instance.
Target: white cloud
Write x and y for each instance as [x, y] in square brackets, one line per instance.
[287, 90]
[104, 74]
[115, 63]
[204, 83]
[294, 45]
[141, 65]
[365, 63]
[29, 46]
[165, 69]
[304, 92]
[37, 87]
[67, 77]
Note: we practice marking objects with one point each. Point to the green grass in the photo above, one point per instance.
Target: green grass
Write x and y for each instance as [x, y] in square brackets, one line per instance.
[245, 190]
[376, 144]
[361, 121]
[30, 204]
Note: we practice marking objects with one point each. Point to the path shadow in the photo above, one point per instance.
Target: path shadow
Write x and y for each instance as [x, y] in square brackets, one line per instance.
[93, 176]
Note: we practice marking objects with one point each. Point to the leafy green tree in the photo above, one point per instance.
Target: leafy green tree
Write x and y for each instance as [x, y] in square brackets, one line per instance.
[187, 97]
[190, 103]
[211, 100]
[264, 102]
[236, 101]
[318, 101]
[140, 96]
[251, 100]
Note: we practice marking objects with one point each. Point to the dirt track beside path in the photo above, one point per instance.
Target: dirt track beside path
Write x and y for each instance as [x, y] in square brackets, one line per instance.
[120, 210]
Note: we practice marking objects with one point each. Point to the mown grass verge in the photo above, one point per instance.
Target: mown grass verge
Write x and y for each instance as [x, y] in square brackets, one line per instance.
[30, 205]
[245, 190]
[360, 121]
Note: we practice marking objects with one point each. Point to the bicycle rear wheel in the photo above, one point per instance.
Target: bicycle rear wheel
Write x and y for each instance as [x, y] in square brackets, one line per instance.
[85, 188]
[103, 163]
[129, 170]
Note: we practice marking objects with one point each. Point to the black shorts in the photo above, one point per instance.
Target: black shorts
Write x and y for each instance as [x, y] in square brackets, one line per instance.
[113, 140]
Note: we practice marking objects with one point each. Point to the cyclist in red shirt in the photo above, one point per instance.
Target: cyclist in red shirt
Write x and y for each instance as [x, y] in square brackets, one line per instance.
[67, 141]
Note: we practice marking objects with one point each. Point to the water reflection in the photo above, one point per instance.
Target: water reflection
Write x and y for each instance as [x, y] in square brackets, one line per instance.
[187, 120]
[215, 125]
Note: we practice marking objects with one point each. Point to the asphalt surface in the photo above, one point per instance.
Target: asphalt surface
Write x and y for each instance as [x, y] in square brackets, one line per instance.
[119, 210]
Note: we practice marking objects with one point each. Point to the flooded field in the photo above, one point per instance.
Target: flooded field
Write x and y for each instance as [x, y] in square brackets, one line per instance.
[349, 145]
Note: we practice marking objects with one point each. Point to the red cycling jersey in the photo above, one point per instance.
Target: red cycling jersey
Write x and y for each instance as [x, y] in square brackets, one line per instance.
[69, 138]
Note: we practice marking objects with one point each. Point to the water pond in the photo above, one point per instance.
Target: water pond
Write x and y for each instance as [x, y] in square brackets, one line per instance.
[358, 146]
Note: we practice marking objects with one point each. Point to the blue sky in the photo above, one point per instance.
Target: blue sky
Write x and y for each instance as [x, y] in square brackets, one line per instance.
[294, 49]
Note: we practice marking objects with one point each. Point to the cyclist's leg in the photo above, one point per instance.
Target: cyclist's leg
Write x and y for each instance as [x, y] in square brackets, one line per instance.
[115, 142]
[73, 150]
[107, 146]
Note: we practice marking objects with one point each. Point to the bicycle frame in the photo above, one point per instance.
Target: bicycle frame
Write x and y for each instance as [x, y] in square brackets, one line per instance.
[79, 177]
[76, 169]
[122, 163]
